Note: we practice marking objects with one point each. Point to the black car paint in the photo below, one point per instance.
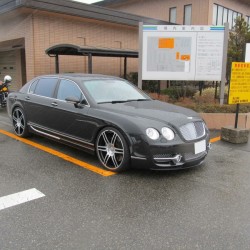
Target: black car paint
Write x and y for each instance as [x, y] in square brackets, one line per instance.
[79, 126]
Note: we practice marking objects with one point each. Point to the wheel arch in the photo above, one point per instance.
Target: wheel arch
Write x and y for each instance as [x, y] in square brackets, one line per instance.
[126, 137]
[16, 105]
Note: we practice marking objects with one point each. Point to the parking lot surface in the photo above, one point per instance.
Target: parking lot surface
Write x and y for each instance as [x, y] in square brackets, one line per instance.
[201, 208]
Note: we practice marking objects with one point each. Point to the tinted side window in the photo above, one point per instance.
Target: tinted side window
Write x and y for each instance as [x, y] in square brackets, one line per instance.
[46, 87]
[32, 87]
[68, 89]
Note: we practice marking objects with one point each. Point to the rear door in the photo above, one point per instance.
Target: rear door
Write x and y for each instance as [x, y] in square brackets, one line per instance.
[39, 102]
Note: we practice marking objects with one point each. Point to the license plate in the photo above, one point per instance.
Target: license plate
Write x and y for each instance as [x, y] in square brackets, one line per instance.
[200, 147]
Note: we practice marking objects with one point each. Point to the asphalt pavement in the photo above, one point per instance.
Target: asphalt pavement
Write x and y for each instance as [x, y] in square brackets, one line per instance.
[206, 207]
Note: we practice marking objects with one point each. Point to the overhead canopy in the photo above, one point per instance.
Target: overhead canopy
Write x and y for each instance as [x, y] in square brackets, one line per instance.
[74, 50]
[69, 49]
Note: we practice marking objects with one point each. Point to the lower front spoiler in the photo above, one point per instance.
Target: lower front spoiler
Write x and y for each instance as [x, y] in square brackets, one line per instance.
[181, 165]
[171, 165]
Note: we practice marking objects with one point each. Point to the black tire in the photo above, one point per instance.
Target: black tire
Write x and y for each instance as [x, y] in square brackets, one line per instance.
[20, 123]
[112, 150]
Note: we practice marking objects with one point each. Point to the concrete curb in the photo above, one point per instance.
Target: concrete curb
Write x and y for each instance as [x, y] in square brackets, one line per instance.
[234, 135]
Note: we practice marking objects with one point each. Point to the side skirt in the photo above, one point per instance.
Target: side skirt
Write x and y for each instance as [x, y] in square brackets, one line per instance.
[65, 139]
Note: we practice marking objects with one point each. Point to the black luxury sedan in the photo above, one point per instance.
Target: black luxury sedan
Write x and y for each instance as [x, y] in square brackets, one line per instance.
[110, 117]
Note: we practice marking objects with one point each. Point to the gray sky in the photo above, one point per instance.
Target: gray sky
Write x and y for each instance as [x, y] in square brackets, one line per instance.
[88, 1]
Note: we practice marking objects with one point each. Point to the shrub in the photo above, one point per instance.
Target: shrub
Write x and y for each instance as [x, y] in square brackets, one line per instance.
[177, 92]
[206, 97]
[148, 86]
[163, 98]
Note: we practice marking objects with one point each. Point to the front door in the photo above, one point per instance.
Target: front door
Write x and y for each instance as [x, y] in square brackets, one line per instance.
[71, 120]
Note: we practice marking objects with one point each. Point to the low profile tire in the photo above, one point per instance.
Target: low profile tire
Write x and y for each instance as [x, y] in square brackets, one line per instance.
[112, 150]
[19, 122]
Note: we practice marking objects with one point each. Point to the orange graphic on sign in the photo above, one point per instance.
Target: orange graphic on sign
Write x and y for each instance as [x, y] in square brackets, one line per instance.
[185, 57]
[166, 43]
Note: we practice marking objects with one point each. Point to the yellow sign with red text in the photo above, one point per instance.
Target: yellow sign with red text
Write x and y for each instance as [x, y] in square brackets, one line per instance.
[240, 83]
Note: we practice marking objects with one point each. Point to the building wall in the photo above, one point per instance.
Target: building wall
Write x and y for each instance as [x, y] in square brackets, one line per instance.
[42, 30]
[16, 25]
[202, 10]
[52, 29]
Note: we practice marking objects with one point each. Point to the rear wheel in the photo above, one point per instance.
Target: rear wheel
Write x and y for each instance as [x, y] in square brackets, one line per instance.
[112, 150]
[19, 122]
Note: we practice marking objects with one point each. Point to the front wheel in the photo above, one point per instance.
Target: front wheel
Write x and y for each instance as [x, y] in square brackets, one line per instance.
[19, 123]
[112, 150]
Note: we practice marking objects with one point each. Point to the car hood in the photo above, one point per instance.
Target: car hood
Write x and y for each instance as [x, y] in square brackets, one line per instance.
[153, 110]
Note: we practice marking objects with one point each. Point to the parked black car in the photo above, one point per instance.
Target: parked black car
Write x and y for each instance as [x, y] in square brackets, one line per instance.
[112, 118]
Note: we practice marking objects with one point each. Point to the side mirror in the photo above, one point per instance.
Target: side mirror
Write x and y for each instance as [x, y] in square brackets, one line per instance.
[76, 101]
[73, 100]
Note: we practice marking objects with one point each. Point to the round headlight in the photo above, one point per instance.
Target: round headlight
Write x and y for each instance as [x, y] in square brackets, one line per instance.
[167, 133]
[152, 133]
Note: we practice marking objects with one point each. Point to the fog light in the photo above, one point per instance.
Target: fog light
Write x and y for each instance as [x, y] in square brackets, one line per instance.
[177, 159]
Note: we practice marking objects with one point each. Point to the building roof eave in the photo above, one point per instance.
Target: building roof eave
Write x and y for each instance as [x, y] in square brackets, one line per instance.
[80, 9]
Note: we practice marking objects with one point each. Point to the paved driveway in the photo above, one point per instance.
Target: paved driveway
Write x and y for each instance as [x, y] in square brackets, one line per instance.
[202, 208]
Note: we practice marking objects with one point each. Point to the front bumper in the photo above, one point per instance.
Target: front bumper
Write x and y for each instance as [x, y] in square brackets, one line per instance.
[166, 156]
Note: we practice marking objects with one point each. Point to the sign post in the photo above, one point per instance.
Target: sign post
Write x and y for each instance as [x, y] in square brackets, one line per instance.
[140, 56]
[224, 64]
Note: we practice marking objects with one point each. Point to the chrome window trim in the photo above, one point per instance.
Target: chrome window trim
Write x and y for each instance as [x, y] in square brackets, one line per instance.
[59, 79]
[28, 92]
[38, 79]
[62, 78]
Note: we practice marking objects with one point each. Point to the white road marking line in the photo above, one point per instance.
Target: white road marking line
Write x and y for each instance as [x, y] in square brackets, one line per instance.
[19, 198]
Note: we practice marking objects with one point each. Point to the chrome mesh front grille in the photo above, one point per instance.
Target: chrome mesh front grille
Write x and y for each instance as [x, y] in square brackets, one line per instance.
[193, 130]
[164, 155]
[191, 156]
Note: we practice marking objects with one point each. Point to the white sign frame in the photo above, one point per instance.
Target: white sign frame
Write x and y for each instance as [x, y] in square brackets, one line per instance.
[207, 52]
[247, 55]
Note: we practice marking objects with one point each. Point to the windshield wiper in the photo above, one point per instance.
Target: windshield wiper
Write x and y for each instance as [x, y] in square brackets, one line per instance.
[138, 100]
[122, 101]
[118, 101]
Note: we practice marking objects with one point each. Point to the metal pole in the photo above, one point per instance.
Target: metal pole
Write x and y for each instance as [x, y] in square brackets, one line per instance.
[125, 67]
[90, 63]
[57, 64]
[140, 55]
[237, 115]
[224, 64]
[216, 90]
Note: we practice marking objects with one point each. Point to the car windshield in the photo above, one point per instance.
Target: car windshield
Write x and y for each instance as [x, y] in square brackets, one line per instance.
[114, 91]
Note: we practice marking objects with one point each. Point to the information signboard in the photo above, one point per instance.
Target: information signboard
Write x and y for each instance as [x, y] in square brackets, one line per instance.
[176, 52]
[239, 92]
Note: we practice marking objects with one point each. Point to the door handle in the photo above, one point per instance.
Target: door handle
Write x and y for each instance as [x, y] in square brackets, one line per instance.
[54, 104]
[27, 98]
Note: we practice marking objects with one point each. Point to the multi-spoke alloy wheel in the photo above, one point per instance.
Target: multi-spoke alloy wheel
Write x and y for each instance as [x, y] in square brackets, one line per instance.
[19, 122]
[112, 150]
